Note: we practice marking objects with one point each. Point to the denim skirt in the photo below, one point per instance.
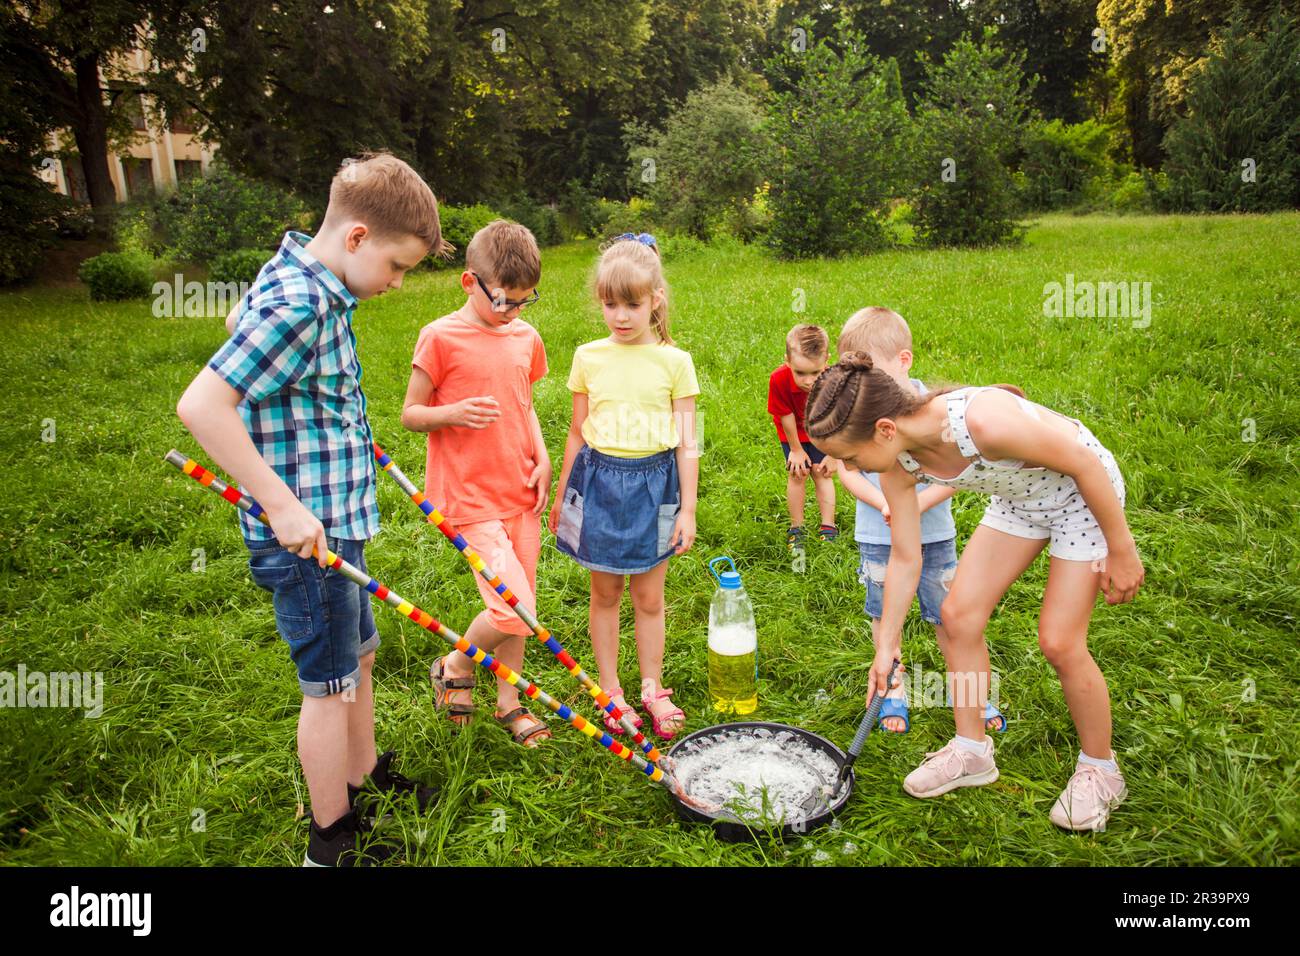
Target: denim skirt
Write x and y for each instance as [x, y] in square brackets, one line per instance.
[618, 513]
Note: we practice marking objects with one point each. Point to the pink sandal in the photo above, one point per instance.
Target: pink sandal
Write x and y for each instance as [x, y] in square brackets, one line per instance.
[650, 696]
[612, 725]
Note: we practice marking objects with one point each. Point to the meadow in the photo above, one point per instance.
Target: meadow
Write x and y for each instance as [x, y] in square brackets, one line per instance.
[192, 761]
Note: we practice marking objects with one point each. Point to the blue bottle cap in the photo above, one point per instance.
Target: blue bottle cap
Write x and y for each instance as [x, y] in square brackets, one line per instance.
[727, 579]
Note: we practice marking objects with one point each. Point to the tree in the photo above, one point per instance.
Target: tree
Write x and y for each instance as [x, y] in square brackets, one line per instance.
[1238, 147]
[66, 45]
[707, 160]
[672, 48]
[838, 148]
[900, 29]
[1155, 47]
[1056, 38]
[27, 201]
[457, 88]
[969, 120]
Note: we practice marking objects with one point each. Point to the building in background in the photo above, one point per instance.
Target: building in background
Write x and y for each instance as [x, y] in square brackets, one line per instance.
[166, 158]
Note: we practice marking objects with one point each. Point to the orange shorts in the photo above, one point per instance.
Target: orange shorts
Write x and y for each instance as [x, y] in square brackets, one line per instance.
[509, 547]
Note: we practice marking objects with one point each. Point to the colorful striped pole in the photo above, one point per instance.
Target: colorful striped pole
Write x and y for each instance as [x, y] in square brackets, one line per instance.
[437, 519]
[431, 624]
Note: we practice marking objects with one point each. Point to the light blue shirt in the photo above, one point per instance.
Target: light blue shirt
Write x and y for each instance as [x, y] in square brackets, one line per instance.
[936, 524]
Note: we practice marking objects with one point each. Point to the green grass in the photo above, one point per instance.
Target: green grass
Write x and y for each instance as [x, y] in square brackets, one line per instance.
[201, 702]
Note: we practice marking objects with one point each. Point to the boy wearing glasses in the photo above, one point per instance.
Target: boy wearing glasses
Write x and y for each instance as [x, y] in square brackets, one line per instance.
[487, 469]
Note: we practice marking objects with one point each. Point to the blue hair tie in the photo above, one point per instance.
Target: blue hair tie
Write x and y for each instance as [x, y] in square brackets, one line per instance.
[644, 238]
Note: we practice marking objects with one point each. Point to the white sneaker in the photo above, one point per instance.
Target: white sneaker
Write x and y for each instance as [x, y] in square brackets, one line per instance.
[1088, 798]
[949, 768]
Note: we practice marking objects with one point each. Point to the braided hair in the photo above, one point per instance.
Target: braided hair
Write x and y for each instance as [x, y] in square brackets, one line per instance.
[849, 398]
[852, 395]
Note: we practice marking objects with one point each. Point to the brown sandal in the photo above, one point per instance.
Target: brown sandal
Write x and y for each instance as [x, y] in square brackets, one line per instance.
[524, 736]
[443, 687]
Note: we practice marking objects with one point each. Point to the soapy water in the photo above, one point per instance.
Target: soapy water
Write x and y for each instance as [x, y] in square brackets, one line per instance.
[757, 775]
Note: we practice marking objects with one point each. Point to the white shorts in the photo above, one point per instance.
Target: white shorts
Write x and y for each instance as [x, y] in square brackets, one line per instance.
[1061, 515]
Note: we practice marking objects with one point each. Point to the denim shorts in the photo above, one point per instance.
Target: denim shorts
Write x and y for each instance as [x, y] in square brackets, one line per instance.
[815, 454]
[618, 514]
[938, 564]
[324, 617]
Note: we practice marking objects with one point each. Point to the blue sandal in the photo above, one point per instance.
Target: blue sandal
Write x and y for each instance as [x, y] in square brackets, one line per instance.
[992, 713]
[894, 707]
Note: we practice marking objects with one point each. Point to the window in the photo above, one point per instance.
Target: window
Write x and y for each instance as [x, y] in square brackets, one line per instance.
[139, 176]
[75, 176]
[188, 169]
[182, 121]
[133, 106]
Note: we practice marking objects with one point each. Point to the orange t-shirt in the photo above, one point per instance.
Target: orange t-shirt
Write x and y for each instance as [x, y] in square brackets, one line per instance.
[480, 474]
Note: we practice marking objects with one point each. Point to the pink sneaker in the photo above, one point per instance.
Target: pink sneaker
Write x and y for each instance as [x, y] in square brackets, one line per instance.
[949, 768]
[1088, 798]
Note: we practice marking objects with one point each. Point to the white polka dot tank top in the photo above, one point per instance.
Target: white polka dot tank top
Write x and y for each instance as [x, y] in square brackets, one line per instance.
[1008, 478]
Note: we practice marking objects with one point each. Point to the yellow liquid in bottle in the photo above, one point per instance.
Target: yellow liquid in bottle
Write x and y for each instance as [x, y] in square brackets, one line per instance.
[733, 682]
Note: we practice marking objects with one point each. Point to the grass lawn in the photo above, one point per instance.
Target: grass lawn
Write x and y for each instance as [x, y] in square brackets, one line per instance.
[193, 760]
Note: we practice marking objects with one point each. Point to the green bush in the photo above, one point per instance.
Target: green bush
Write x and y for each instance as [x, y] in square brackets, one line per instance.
[749, 221]
[459, 223]
[635, 215]
[581, 210]
[707, 161]
[836, 128]
[1059, 161]
[1157, 189]
[242, 265]
[137, 227]
[901, 222]
[117, 275]
[223, 212]
[33, 215]
[1129, 193]
[970, 119]
[542, 221]
[679, 245]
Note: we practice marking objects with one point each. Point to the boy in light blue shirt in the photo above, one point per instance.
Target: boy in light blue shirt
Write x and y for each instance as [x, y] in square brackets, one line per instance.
[885, 336]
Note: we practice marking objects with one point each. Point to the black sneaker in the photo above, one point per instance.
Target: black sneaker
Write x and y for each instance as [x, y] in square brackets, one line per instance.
[345, 842]
[384, 780]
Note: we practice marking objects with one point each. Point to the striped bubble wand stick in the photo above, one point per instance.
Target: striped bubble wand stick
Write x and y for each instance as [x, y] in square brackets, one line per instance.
[438, 520]
[431, 624]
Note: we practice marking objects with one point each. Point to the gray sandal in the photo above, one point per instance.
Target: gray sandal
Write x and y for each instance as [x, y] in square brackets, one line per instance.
[523, 736]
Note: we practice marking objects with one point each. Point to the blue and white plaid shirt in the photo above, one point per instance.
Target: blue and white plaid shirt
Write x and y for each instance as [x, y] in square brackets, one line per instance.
[294, 359]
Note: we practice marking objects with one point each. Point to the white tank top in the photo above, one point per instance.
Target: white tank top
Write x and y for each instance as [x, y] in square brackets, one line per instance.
[1008, 477]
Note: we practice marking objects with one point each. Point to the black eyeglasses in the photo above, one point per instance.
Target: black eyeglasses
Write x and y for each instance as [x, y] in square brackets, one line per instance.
[502, 304]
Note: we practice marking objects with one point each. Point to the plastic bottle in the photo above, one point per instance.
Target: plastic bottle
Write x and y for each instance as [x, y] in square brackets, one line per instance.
[733, 645]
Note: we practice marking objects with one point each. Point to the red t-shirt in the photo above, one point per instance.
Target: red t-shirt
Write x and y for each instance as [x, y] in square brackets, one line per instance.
[784, 397]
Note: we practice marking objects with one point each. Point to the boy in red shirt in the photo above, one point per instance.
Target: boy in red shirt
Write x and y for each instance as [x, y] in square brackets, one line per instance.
[806, 351]
[471, 390]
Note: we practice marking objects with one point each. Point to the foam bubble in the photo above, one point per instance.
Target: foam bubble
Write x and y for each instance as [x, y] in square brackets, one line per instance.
[755, 774]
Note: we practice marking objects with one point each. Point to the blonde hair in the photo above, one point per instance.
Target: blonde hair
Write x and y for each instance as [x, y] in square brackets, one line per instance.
[810, 341]
[506, 253]
[629, 271]
[875, 329]
[389, 196]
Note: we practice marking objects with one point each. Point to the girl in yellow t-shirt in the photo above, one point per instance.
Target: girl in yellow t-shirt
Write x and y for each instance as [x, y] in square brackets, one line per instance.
[625, 501]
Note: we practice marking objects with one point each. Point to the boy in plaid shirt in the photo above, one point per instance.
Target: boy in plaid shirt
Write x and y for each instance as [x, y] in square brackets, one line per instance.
[280, 408]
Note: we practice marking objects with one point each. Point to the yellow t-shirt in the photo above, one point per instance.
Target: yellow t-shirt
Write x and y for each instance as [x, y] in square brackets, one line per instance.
[630, 391]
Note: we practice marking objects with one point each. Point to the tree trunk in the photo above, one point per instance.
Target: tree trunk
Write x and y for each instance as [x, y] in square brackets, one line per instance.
[91, 133]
